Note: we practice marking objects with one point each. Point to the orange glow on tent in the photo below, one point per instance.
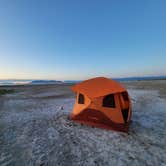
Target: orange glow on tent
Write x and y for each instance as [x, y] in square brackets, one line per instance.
[103, 103]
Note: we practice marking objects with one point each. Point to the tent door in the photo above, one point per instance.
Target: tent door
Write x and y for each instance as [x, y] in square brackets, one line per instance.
[125, 113]
[124, 104]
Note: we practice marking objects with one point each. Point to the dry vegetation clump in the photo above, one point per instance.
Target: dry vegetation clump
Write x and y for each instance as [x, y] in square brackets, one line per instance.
[6, 91]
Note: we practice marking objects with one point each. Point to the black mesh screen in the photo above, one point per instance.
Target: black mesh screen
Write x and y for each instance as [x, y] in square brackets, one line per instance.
[125, 113]
[81, 99]
[109, 101]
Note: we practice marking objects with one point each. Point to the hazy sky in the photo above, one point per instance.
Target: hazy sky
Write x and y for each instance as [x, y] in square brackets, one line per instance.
[78, 39]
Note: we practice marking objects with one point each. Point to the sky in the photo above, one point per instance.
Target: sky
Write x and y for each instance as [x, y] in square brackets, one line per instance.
[79, 39]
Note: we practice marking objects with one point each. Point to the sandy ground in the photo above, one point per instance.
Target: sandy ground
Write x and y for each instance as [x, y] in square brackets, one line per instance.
[34, 131]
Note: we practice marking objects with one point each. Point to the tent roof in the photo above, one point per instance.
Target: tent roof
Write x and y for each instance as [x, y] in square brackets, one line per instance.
[99, 86]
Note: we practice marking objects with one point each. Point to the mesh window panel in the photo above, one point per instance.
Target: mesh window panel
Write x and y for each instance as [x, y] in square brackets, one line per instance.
[109, 101]
[81, 99]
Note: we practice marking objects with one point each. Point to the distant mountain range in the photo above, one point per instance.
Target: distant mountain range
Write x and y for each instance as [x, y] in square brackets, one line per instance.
[141, 78]
[46, 82]
[72, 81]
[29, 82]
[40, 82]
[127, 79]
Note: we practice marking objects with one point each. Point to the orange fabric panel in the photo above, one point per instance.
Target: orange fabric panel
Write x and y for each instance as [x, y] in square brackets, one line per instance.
[79, 107]
[96, 118]
[112, 113]
[124, 104]
[98, 86]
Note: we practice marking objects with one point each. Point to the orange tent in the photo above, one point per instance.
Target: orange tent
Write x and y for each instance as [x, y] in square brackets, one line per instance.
[103, 103]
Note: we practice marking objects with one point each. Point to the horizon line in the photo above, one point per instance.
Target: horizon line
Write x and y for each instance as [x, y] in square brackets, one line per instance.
[145, 76]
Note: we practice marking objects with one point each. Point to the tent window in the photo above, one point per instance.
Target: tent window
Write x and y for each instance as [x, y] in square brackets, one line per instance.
[125, 96]
[109, 101]
[81, 99]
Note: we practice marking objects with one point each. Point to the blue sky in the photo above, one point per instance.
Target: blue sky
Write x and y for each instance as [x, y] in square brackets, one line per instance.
[79, 39]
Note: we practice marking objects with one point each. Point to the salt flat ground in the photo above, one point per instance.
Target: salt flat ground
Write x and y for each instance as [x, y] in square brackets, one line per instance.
[34, 131]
